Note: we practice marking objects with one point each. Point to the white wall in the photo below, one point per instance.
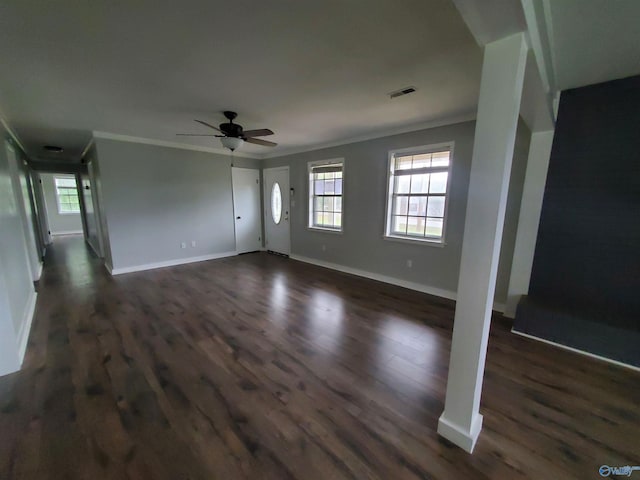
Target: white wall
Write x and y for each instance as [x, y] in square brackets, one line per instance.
[17, 293]
[58, 223]
[153, 198]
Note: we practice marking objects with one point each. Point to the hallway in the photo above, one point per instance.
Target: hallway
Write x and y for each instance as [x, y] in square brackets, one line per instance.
[262, 367]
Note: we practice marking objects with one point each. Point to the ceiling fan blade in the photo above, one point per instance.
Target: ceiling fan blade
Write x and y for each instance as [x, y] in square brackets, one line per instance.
[196, 135]
[207, 125]
[257, 141]
[263, 132]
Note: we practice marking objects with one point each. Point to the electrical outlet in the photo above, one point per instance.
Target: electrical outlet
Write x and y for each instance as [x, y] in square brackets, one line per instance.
[324, 248]
[409, 263]
[193, 243]
[183, 245]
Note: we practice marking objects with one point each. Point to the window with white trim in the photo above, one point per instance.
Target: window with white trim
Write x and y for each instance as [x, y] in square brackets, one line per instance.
[418, 189]
[67, 195]
[325, 195]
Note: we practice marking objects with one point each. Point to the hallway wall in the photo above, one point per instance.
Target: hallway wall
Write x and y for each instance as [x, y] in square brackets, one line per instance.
[17, 292]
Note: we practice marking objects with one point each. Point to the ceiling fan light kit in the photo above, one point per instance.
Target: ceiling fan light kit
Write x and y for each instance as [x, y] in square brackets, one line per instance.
[233, 135]
[232, 143]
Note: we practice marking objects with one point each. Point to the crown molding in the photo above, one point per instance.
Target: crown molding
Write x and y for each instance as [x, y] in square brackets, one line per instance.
[379, 134]
[86, 149]
[11, 133]
[163, 143]
[222, 151]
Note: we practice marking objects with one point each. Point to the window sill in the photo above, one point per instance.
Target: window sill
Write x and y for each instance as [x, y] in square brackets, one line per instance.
[416, 241]
[324, 230]
[69, 213]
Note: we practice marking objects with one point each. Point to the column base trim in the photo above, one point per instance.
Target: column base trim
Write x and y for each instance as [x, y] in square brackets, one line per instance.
[458, 435]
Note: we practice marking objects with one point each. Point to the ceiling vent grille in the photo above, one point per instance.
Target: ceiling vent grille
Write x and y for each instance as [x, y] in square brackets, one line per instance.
[401, 92]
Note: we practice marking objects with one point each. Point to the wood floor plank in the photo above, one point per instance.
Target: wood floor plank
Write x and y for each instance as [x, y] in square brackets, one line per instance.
[261, 367]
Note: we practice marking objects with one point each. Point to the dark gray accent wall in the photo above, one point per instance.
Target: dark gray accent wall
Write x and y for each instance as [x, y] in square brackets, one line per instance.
[586, 267]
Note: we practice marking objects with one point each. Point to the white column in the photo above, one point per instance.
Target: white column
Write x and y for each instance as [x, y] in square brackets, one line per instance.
[498, 108]
[529, 219]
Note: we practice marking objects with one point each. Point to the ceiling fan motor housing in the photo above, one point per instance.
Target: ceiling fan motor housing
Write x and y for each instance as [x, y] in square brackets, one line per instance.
[231, 129]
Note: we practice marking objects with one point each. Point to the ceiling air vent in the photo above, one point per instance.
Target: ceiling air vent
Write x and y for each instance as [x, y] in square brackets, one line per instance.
[53, 148]
[401, 92]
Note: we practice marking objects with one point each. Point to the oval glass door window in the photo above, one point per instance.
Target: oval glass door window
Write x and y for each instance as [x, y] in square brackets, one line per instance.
[276, 203]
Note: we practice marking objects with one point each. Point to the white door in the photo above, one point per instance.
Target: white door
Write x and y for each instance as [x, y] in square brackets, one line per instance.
[276, 209]
[246, 208]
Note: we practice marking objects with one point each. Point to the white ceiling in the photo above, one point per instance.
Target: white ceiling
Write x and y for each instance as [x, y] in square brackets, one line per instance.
[593, 41]
[315, 72]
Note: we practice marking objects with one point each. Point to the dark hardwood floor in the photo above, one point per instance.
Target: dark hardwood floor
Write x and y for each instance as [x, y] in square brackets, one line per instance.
[262, 367]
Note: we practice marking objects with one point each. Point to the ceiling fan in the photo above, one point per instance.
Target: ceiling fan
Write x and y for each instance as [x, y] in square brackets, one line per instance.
[232, 135]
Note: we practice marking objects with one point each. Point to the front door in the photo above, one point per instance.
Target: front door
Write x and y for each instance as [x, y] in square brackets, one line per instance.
[276, 209]
[246, 209]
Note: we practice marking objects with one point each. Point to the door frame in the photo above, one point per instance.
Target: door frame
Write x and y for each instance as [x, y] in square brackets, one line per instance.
[16, 173]
[233, 207]
[267, 203]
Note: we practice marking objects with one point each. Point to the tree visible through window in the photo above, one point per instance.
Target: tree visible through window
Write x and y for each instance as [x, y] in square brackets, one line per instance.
[67, 194]
[418, 181]
[325, 195]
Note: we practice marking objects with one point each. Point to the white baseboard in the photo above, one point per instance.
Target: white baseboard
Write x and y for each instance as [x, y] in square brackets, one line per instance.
[168, 263]
[575, 350]
[461, 437]
[39, 272]
[499, 307]
[93, 247]
[419, 287]
[25, 329]
[67, 232]
[438, 292]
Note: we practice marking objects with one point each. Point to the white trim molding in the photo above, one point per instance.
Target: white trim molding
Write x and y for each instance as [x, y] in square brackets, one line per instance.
[418, 287]
[164, 143]
[67, 232]
[11, 133]
[390, 193]
[575, 350]
[87, 148]
[458, 435]
[416, 127]
[25, 329]
[93, 247]
[39, 271]
[168, 263]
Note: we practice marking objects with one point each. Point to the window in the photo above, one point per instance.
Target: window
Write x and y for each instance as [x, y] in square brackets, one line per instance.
[67, 194]
[325, 195]
[276, 203]
[418, 186]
